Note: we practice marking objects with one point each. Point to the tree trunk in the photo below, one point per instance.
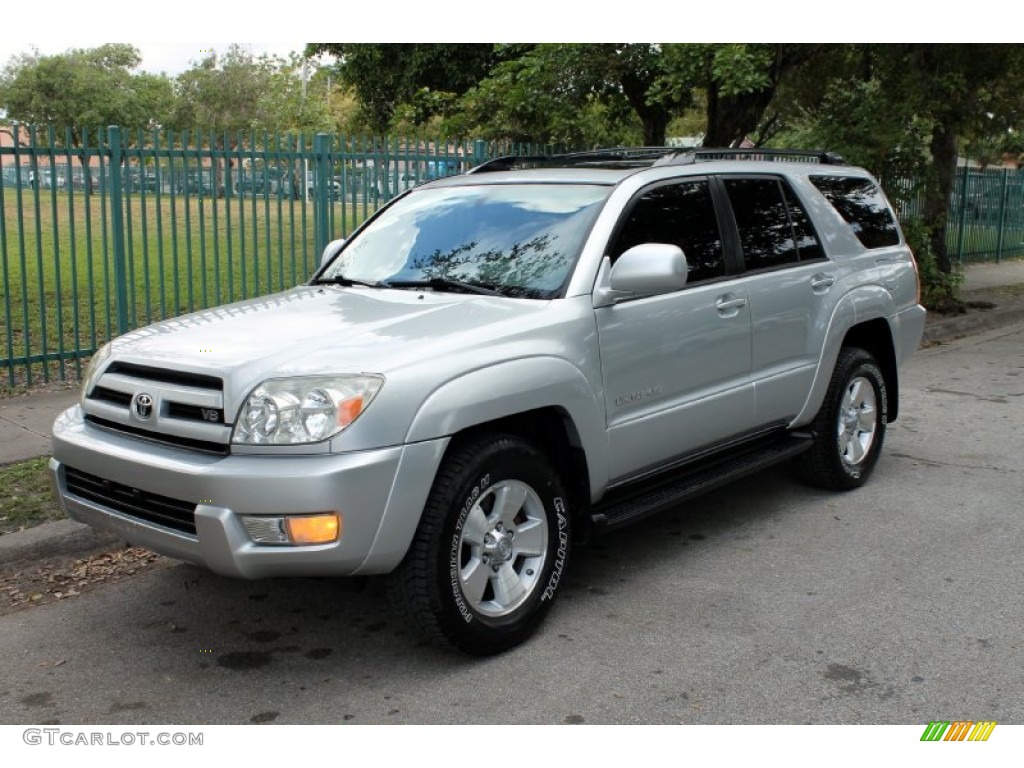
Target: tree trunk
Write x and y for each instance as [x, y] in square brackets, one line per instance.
[86, 175]
[654, 130]
[939, 193]
[653, 117]
[733, 118]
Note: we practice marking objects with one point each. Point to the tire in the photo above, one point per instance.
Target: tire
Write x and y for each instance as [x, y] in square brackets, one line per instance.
[491, 548]
[850, 427]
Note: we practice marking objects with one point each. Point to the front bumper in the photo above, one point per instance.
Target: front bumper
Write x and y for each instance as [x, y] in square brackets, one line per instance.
[379, 494]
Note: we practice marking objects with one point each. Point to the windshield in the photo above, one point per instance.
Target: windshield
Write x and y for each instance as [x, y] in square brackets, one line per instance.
[520, 240]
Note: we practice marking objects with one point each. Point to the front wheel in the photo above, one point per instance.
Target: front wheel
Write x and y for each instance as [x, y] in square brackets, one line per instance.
[491, 548]
[850, 427]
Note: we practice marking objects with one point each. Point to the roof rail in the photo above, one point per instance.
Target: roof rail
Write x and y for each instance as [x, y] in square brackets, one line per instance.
[612, 156]
[754, 153]
[631, 157]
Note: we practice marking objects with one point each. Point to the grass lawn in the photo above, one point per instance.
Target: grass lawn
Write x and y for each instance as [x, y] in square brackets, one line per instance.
[58, 286]
[26, 499]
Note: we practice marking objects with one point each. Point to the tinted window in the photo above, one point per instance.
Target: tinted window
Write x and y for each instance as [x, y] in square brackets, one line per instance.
[762, 218]
[860, 203]
[803, 231]
[678, 214]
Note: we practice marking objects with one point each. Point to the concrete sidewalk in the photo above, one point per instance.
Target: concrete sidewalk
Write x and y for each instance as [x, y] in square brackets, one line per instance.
[25, 421]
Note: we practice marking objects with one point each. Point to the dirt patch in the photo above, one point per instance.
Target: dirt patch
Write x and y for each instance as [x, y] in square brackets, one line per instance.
[50, 581]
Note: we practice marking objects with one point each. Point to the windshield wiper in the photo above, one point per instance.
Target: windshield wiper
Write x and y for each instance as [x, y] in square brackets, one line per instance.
[347, 282]
[444, 284]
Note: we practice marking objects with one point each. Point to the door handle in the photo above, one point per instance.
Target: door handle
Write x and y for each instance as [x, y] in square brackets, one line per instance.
[822, 283]
[728, 307]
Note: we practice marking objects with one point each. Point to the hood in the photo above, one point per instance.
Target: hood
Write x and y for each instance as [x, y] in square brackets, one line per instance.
[320, 329]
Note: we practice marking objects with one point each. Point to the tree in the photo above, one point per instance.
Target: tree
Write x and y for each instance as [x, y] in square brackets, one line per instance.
[297, 97]
[908, 111]
[84, 89]
[574, 94]
[385, 76]
[737, 80]
[963, 91]
[223, 94]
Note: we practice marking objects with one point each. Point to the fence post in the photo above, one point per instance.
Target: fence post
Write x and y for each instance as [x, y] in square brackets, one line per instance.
[1002, 214]
[480, 152]
[321, 192]
[117, 228]
[963, 218]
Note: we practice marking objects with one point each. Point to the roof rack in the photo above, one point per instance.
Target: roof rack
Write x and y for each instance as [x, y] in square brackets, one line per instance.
[625, 157]
[687, 157]
[635, 157]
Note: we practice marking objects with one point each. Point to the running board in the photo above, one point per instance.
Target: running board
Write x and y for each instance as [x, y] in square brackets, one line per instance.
[626, 505]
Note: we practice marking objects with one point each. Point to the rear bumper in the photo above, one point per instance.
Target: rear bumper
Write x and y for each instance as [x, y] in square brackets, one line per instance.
[379, 494]
[908, 329]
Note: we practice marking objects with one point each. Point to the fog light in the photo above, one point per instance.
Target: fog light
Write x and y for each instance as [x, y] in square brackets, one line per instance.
[265, 530]
[313, 529]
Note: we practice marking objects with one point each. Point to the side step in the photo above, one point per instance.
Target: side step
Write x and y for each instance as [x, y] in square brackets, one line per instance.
[630, 503]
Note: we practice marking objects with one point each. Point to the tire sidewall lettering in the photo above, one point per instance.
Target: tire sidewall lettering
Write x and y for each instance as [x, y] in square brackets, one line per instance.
[561, 552]
[453, 554]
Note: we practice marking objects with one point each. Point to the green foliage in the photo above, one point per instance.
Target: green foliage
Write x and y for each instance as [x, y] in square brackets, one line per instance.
[855, 119]
[738, 81]
[386, 76]
[239, 92]
[939, 290]
[571, 94]
[84, 88]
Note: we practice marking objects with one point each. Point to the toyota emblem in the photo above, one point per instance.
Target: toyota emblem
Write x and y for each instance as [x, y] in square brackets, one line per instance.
[143, 405]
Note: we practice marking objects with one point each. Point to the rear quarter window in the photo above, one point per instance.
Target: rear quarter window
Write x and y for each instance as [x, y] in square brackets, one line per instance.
[862, 206]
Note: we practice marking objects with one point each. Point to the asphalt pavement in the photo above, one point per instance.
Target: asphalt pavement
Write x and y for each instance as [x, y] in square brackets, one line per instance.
[763, 602]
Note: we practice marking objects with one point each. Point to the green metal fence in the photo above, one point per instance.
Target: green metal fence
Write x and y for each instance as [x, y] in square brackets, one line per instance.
[108, 230]
[986, 214]
[111, 230]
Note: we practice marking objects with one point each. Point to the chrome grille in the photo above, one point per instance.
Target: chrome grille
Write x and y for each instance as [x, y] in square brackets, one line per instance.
[171, 406]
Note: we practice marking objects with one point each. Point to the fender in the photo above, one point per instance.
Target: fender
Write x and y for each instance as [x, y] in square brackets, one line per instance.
[513, 387]
[868, 302]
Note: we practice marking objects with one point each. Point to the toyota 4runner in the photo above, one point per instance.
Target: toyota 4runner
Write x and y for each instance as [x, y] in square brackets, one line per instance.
[497, 364]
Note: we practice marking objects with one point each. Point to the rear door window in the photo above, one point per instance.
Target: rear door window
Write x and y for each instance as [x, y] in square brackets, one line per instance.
[774, 228]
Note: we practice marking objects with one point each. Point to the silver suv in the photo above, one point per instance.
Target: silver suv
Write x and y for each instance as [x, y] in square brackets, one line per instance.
[501, 363]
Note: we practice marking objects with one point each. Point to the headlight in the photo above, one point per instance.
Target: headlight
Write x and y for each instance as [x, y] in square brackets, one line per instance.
[304, 410]
[95, 366]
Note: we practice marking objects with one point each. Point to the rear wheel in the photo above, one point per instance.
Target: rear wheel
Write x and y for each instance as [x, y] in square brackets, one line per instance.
[490, 550]
[850, 427]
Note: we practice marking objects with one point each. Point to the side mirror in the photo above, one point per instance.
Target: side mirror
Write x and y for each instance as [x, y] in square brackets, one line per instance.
[649, 268]
[331, 250]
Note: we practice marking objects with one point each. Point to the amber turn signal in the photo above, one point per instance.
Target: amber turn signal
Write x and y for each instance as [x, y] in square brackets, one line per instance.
[313, 529]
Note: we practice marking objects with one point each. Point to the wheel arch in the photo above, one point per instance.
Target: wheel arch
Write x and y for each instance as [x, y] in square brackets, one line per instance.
[546, 399]
[875, 337]
[551, 430]
[860, 319]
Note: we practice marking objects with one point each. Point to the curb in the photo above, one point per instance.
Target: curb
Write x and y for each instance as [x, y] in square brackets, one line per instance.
[1008, 310]
[62, 538]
